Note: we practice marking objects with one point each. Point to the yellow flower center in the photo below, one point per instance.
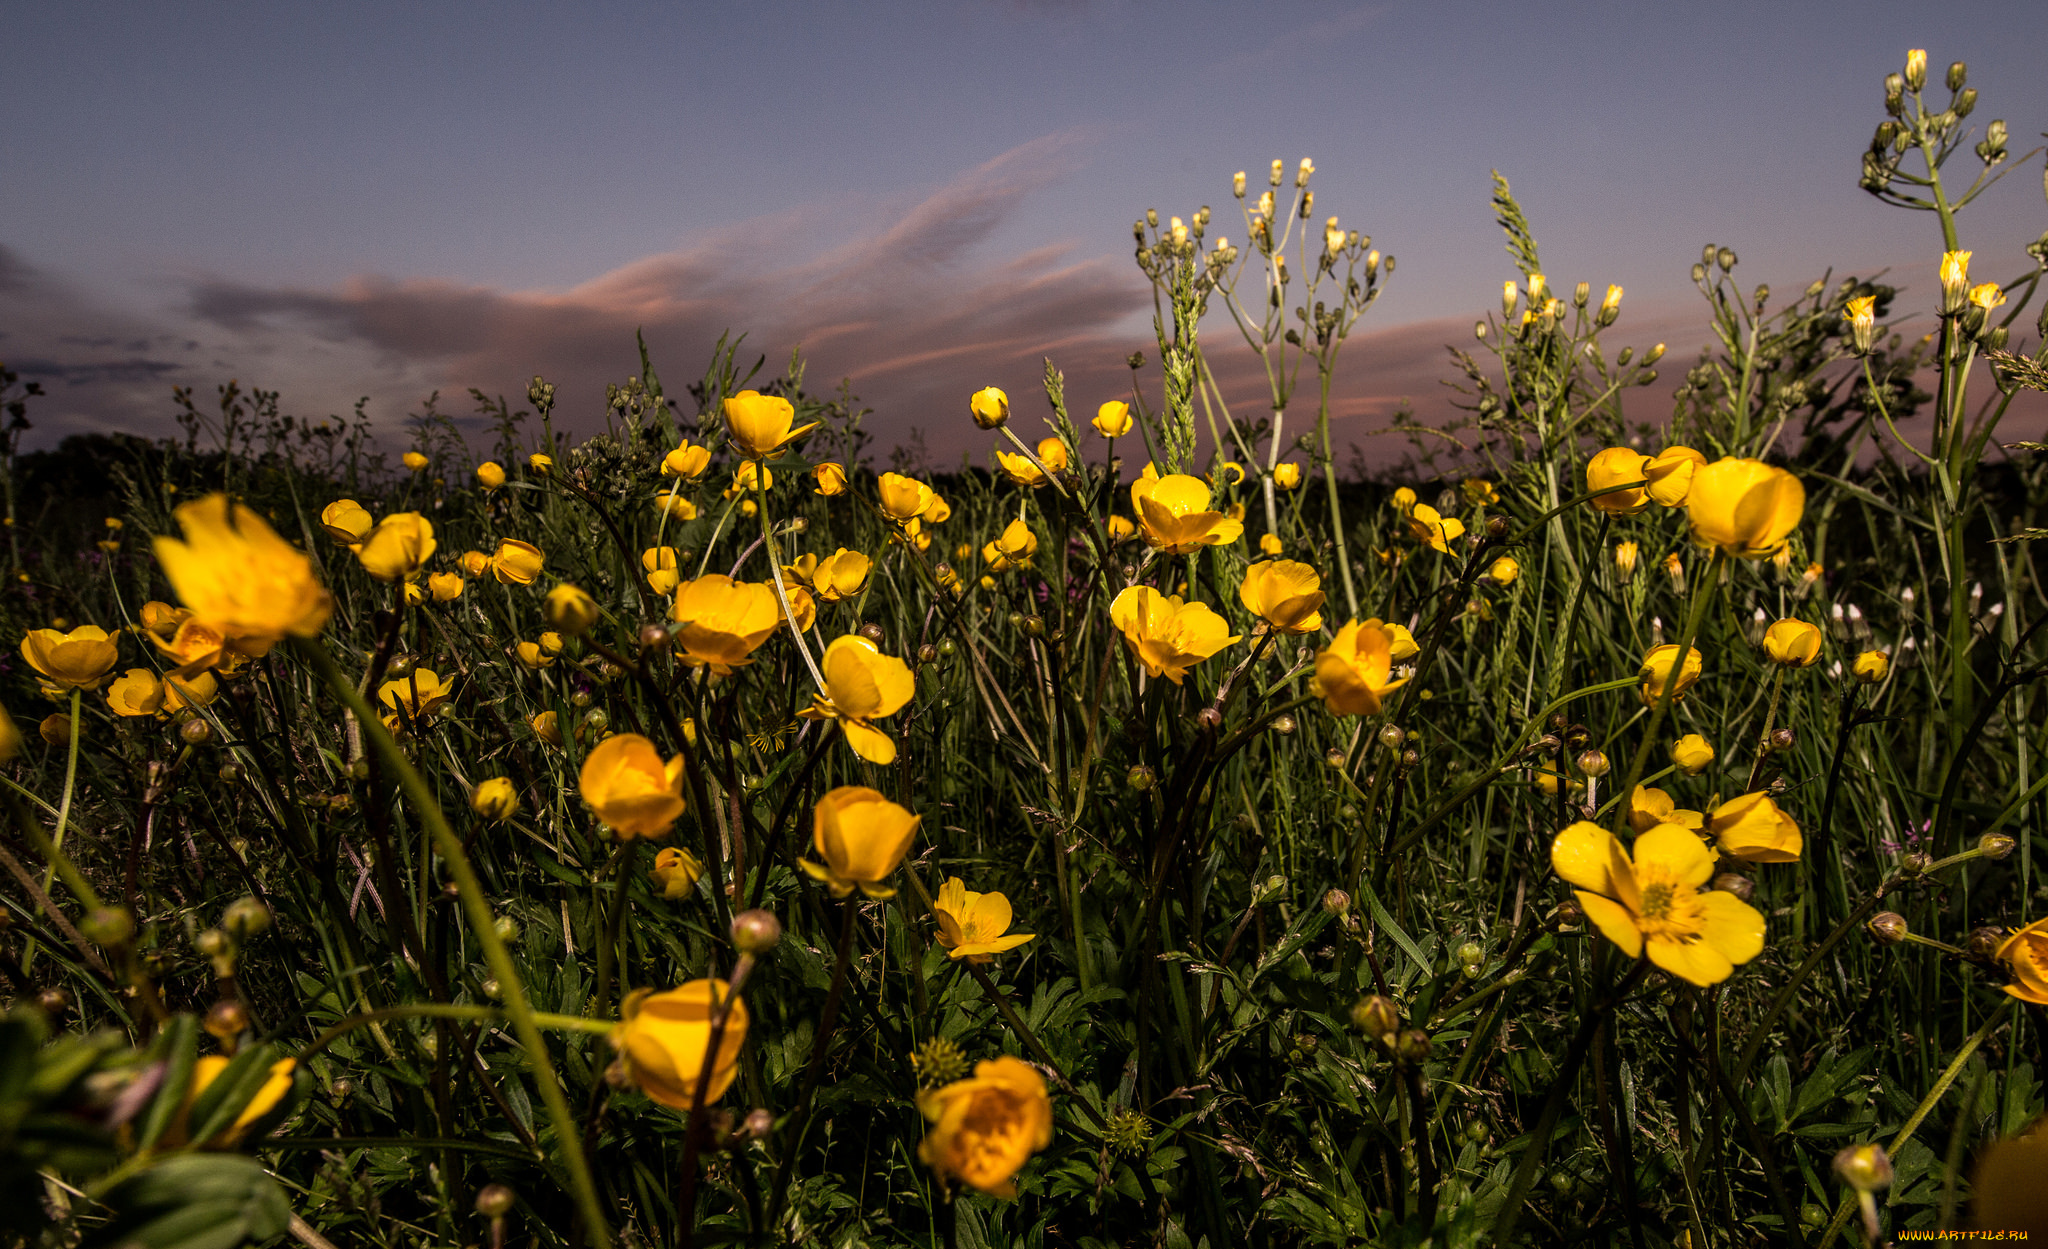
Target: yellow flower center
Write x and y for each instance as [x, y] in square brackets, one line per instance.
[1670, 908]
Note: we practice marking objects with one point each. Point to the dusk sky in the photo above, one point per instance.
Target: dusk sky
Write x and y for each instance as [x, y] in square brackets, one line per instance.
[386, 199]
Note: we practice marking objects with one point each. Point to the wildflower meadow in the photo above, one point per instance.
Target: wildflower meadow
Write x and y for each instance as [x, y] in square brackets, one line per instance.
[1612, 821]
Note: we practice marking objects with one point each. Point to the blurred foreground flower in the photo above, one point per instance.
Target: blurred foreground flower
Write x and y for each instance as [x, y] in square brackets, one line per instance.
[985, 1128]
[862, 837]
[494, 799]
[666, 1038]
[1652, 900]
[972, 925]
[2025, 954]
[630, 789]
[243, 581]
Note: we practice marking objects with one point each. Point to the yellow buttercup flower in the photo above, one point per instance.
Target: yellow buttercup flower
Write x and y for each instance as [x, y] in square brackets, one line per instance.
[687, 461]
[1755, 828]
[830, 478]
[1121, 528]
[990, 407]
[751, 475]
[903, 498]
[1872, 667]
[1269, 544]
[676, 507]
[666, 1040]
[161, 620]
[235, 574]
[446, 587]
[2025, 954]
[1670, 474]
[1167, 635]
[1402, 500]
[80, 659]
[723, 621]
[1112, 419]
[1648, 807]
[1692, 754]
[973, 925]
[494, 799]
[346, 521]
[1355, 671]
[416, 694]
[546, 727]
[516, 562]
[1479, 492]
[1432, 529]
[570, 609]
[490, 474]
[415, 462]
[862, 838]
[1287, 476]
[676, 871]
[530, 655]
[1656, 672]
[11, 740]
[862, 685]
[1013, 547]
[984, 1129]
[841, 575]
[1650, 901]
[1018, 468]
[1174, 513]
[1285, 594]
[1504, 570]
[759, 424]
[938, 513]
[1618, 466]
[197, 645]
[1745, 508]
[1792, 643]
[475, 563]
[1401, 643]
[138, 692]
[398, 547]
[1231, 471]
[197, 690]
[540, 465]
[207, 1068]
[660, 565]
[629, 788]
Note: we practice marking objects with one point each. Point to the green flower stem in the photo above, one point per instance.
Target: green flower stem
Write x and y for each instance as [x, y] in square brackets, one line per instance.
[775, 575]
[64, 805]
[821, 1045]
[446, 1010]
[693, 1125]
[609, 951]
[1669, 694]
[1925, 1108]
[477, 909]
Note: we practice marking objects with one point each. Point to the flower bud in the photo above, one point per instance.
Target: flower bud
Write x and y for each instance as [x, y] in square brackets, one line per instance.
[1377, 1017]
[755, 932]
[1471, 952]
[1865, 1168]
[1237, 184]
[1209, 719]
[1887, 928]
[1140, 778]
[226, 1020]
[494, 1201]
[1914, 864]
[1734, 883]
[245, 918]
[1569, 915]
[1916, 69]
[1983, 943]
[872, 632]
[1337, 902]
[1995, 845]
[1594, 763]
[1413, 1047]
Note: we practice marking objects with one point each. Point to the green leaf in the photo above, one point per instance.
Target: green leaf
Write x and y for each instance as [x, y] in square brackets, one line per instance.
[194, 1201]
[177, 1050]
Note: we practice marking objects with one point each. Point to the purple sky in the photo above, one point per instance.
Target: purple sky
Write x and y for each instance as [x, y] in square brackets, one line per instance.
[386, 199]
